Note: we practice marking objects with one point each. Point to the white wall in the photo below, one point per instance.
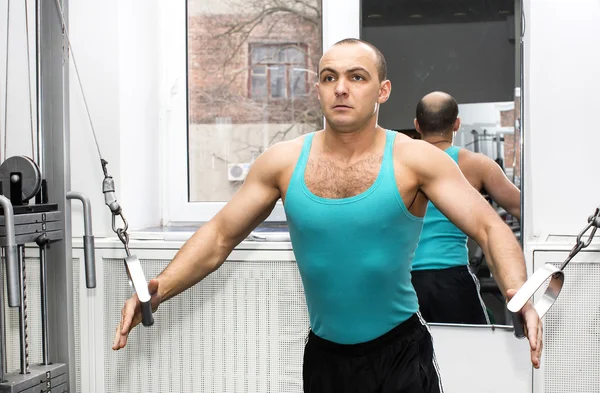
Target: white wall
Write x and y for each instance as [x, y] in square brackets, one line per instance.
[97, 60]
[117, 48]
[140, 111]
[336, 11]
[18, 116]
[562, 60]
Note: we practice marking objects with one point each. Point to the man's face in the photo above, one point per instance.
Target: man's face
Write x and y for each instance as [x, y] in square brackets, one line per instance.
[349, 89]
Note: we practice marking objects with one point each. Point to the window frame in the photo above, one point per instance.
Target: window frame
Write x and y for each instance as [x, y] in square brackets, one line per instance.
[288, 74]
[176, 206]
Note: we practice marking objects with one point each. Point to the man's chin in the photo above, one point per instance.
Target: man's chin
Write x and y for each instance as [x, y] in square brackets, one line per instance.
[348, 124]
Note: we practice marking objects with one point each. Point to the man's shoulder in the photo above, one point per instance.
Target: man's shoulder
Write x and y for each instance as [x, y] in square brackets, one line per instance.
[409, 149]
[284, 154]
[471, 161]
[283, 149]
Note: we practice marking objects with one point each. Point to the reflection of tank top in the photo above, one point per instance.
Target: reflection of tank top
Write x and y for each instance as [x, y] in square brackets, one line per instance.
[354, 254]
[442, 244]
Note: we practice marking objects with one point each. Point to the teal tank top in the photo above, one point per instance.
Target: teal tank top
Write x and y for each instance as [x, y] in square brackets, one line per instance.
[442, 244]
[354, 254]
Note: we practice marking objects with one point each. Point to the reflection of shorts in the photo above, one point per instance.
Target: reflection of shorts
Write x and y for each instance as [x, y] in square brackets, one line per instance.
[449, 296]
[400, 361]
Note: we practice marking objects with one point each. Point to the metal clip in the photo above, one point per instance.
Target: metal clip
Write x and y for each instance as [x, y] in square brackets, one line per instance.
[593, 223]
[124, 238]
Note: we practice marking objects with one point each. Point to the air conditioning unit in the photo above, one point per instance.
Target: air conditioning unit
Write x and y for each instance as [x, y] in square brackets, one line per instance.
[237, 171]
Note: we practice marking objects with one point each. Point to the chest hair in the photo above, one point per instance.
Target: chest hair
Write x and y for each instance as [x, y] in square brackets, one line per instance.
[327, 178]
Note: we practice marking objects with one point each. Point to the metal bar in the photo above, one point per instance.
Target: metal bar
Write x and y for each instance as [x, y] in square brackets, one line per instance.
[56, 169]
[10, 245]
[522, 126]
[44, 299]
[88, 239]
[499, 148]
[2, 333]
[22, 314]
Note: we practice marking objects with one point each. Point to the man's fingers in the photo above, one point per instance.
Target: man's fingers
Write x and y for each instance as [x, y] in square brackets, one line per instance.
[510, 293]
[128, 314]
[117, 338]
[153, 286]
[131, 315]
[534, 334]
[533, 329]
[120, 339]
[532, 324]
[540, 345]
[123, 341]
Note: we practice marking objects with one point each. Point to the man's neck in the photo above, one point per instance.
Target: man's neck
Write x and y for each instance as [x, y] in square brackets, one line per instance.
[347, 146]
[441, 140]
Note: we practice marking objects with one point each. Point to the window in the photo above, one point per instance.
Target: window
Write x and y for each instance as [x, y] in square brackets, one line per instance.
[215, 127]
[278, 71]
[248, 86]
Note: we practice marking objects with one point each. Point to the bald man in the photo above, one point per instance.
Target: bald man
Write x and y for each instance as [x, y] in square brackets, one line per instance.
[446, 289]
[354, 198]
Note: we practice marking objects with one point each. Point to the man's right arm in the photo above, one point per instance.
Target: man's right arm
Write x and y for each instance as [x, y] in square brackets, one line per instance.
[208, 248]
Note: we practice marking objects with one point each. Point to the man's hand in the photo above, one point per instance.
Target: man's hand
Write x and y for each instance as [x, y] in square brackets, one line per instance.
[131, 314]
[533, 329]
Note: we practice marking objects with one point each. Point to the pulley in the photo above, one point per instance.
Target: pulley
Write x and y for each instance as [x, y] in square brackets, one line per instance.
[20, 178]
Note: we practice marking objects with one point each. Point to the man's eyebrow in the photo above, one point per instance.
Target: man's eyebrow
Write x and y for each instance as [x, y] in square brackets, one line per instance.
[328, 69]
[348, 71]
[354, 69]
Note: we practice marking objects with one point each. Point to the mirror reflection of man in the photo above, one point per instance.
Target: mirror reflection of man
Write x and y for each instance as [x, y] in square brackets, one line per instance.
[448, 292]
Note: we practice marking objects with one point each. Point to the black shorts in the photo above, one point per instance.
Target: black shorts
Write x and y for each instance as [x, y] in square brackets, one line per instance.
[449, 296]
[400, 361]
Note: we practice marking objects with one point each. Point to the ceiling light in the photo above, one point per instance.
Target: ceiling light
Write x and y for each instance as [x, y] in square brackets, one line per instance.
[374, 16]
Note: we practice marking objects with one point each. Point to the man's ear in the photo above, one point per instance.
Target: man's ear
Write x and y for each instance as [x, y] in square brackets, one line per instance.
[416, 123]
[385, 90]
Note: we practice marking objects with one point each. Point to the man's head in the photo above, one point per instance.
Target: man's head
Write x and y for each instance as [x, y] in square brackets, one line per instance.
[437, 114]
[352, 84]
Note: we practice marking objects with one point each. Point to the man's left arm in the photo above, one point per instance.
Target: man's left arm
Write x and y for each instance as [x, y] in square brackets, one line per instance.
[443, 183]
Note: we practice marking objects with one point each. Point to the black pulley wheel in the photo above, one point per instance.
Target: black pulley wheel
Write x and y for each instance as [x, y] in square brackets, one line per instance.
[24, 169]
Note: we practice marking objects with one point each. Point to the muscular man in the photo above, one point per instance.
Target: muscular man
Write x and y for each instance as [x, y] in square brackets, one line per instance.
[446, 289]
[354, 196]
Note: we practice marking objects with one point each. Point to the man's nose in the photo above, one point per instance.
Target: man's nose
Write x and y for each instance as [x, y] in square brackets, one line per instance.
[341, 87]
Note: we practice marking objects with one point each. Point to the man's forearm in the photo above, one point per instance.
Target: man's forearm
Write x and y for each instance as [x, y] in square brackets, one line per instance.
[504, 257]
[202, 254]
